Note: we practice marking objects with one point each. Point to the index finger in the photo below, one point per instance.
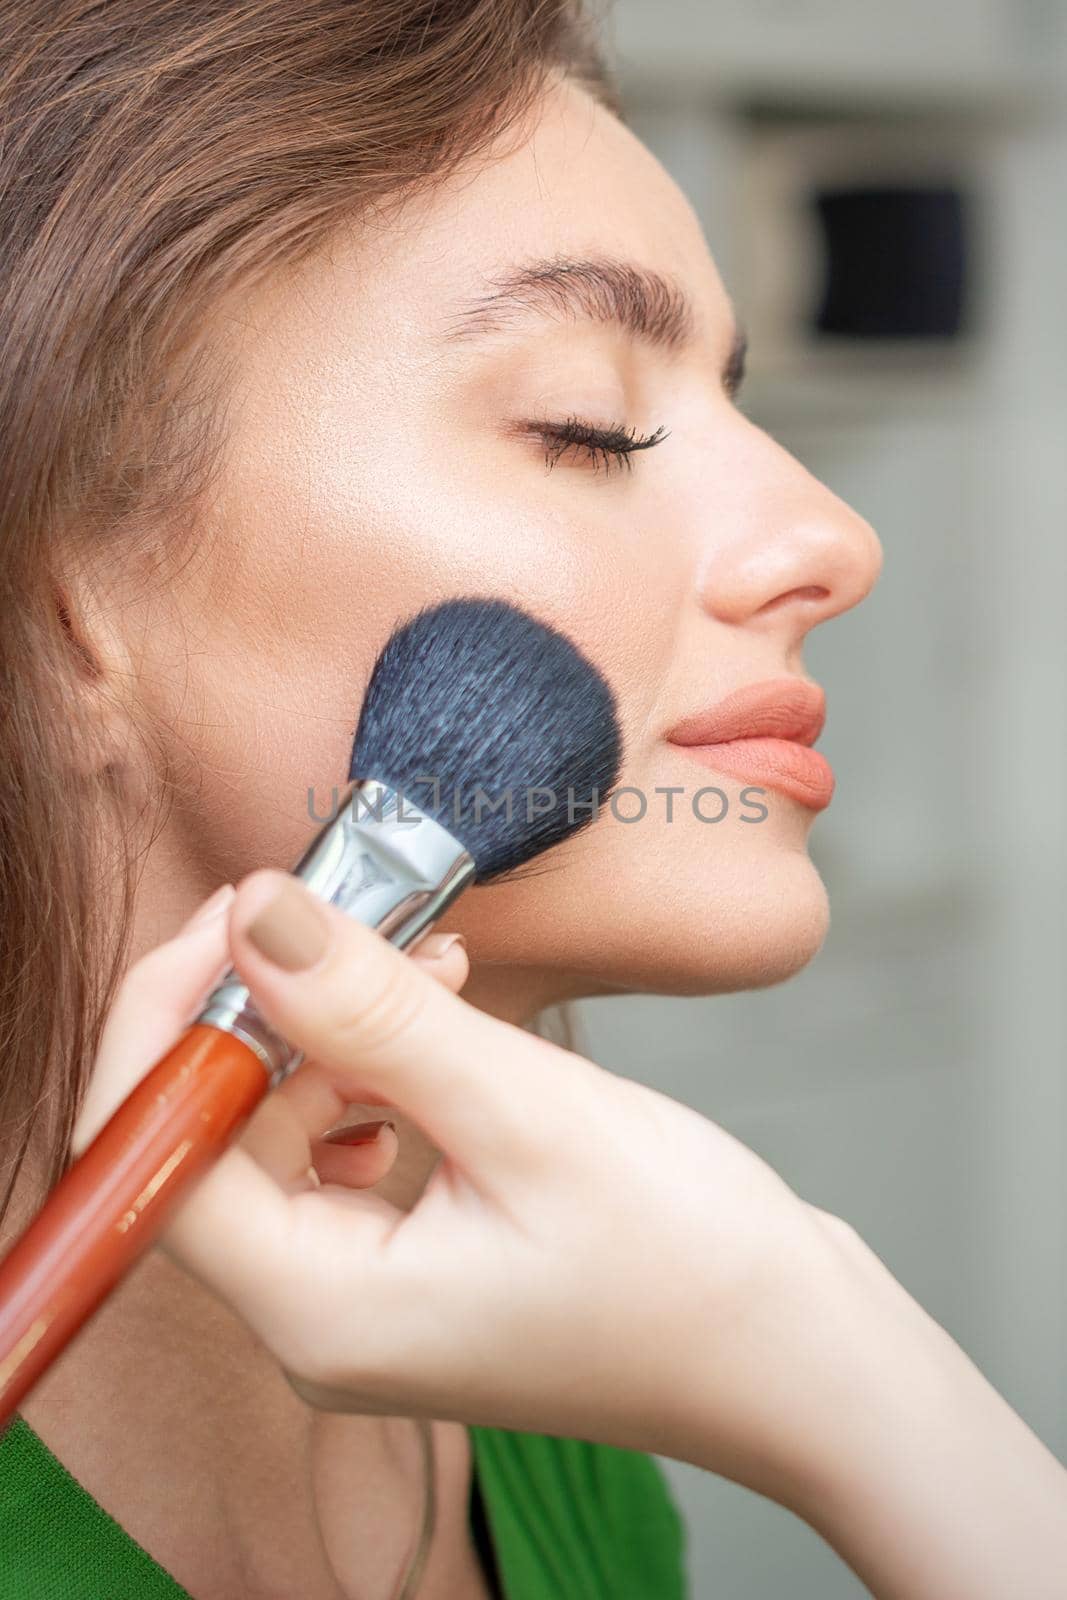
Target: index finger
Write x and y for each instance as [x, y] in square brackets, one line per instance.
[478, 1087]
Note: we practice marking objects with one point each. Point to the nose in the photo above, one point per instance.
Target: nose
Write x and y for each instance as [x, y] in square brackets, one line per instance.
[796, 553]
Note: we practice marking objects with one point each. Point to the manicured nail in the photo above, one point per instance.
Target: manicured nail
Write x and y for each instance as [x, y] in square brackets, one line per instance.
[364, 1133]
[290, 930]
[434, 946]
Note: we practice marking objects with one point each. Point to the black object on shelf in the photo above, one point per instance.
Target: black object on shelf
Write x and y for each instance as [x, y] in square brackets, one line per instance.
[896, 262]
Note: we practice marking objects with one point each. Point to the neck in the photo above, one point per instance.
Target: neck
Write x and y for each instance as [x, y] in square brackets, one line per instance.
[514, 994]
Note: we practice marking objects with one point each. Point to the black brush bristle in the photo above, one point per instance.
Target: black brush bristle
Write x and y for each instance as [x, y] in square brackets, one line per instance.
[474, 698]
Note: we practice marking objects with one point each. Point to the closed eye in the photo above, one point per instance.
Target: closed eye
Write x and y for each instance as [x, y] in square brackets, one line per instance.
[600, 446]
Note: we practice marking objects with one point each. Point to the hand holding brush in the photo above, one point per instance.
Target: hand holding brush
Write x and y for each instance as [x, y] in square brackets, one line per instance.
[589, 1257]
[472, 700]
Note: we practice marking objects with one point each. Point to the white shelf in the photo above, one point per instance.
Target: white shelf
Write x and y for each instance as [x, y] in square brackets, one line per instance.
[822, 49]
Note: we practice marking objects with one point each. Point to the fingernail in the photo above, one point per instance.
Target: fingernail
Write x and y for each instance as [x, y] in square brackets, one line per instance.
[364, 1133]
[290, 930]
[212, 907]
[436, 945]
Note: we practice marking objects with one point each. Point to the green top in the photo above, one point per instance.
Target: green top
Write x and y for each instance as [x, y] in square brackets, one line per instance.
[569, 1520]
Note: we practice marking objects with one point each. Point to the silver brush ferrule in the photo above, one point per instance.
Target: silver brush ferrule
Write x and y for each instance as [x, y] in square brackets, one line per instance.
[381, 860]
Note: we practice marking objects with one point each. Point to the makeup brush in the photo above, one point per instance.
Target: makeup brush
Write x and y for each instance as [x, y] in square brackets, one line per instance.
[485, 738]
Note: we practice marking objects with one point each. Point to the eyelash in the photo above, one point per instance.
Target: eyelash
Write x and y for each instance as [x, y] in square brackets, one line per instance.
[606, 445]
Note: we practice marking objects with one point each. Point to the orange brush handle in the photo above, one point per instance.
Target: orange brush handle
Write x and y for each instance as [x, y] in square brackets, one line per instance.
[112, 1203]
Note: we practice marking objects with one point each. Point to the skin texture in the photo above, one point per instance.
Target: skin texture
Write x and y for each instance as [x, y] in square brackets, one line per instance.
[371, 469]
[373, 466]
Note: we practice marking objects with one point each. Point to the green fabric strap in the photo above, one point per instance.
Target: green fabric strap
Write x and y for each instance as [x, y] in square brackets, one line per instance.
[578, 1521]
[56, 1543]
[569, 1520]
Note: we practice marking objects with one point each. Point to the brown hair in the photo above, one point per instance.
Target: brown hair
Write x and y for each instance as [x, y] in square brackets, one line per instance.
[155, 154]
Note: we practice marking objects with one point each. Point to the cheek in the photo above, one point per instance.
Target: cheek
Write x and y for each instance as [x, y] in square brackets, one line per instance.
[303, 577]
[259, 740]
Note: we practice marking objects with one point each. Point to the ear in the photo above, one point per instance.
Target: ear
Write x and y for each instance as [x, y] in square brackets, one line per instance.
[100, 676]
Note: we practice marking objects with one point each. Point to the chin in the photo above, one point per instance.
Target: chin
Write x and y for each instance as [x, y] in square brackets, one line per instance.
[747, 924]
[747, 927]
[750, 943]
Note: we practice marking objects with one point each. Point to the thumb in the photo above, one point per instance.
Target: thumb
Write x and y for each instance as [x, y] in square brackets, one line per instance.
[381, 1027]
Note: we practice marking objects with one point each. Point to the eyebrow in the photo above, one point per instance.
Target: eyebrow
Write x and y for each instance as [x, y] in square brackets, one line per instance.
[647, 305]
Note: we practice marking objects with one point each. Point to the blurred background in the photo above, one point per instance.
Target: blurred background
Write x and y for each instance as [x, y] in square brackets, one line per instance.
[884, 189]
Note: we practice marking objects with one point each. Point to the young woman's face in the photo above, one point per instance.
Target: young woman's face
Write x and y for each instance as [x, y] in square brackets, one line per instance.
[385, 454]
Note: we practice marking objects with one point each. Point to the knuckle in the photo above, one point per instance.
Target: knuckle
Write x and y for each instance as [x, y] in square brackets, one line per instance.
[296, 1330]
[838, 1228]
[320, 1396]
[306, 1389]
[325, 1355]
[374, 1010]
[325, 1391]
[300, 1356]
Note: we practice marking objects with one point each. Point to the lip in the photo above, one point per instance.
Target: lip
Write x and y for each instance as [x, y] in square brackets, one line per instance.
[764, 732]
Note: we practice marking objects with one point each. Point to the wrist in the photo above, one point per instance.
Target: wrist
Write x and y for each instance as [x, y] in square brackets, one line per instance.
[784, 1369]
[920, 1475]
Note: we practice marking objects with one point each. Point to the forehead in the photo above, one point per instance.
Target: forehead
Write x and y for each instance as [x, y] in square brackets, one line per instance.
[573, 184]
